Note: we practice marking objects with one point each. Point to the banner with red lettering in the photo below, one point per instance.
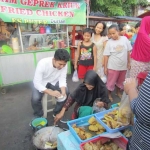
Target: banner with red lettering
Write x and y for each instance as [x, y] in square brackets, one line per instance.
[43, 11]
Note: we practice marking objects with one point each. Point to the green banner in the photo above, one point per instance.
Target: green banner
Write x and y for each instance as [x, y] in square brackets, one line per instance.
[43, 11]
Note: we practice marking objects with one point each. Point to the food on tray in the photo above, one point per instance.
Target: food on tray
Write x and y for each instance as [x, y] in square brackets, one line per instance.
[92, 120]
[115, 118]
[50, 145]
[81, 132]
[127, 133]
[110, 145]
[94, 127]
[32, 47]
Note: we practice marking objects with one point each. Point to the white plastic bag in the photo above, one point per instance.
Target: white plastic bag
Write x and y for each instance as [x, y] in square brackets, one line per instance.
[75, 76]
[102, 75]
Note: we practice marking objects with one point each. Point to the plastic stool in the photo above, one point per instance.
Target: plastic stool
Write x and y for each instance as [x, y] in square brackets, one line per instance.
[44, 103]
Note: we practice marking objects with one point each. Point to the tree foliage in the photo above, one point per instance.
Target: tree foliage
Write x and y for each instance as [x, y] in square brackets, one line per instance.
[117, 7]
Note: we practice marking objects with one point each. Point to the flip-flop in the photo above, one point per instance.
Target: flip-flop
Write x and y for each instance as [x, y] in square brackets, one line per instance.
[119, 95]
[111, 99]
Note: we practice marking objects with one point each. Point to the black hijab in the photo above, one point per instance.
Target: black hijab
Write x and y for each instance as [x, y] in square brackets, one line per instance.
[86, 97]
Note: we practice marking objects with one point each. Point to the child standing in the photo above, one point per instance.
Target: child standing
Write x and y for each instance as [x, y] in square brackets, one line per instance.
[116, 60]
[86, 54]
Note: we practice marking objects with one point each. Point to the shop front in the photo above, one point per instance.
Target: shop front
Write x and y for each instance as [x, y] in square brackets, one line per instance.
[32, 30]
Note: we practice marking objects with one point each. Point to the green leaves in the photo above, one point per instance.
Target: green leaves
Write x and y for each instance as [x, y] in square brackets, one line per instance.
[116, 7]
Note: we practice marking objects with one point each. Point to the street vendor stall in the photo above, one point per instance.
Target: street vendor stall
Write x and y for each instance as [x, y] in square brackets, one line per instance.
[40, 28]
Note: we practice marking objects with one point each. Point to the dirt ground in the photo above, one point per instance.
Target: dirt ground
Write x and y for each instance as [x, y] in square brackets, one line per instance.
[16, 114]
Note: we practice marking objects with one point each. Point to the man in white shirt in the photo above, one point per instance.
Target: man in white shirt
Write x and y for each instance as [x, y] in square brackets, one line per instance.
[50, 78]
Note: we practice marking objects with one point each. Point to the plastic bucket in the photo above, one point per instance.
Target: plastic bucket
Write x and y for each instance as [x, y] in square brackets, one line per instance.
[39, 123]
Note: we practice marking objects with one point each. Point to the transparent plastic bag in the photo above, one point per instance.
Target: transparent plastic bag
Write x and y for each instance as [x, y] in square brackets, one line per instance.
[124, 111]
[75, 76]
[96, 108]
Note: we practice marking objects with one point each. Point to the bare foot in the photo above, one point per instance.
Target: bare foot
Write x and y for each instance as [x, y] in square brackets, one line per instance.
[110, 98]
[119, 95]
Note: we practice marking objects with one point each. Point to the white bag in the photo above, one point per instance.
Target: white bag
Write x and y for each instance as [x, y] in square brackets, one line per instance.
[102, 75]
[75, 76]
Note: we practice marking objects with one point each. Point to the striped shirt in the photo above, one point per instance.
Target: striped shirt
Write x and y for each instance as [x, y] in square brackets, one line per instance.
[141, 108]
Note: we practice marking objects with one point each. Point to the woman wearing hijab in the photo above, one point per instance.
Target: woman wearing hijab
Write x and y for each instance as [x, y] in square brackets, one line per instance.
[140, 105]
[141, 51]
[86, 93]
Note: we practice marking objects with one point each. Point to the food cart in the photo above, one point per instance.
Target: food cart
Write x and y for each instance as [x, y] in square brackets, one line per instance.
[42, 28]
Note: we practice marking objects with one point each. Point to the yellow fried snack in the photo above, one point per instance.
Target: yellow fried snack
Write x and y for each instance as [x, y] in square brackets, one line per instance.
[100, 127]
[100, 132]
[88, 135]
[77, 130]
[88, 146]
[93, 128]
[92, 120]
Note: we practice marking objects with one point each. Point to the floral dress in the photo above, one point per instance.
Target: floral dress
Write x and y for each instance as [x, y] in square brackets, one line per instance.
[100, 49]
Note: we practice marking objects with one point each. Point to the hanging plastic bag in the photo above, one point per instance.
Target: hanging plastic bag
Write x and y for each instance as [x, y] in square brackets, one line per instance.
[124, 111]
[75, 76]
[96, 108]
[102, 75]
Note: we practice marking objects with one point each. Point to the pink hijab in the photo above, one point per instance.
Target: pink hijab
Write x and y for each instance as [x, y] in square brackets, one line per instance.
[141, 49]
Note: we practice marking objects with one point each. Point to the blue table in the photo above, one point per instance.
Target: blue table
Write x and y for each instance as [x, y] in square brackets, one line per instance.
[66, 141]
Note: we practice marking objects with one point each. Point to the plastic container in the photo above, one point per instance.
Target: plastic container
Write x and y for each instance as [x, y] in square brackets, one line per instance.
[81, 122]
[42, 30]
[7, 49]
[54, 44]
[99, 116]
[62, 44]
[115, 105]
[39, 123]
[48, 29]
[121, 142]
[15, 45]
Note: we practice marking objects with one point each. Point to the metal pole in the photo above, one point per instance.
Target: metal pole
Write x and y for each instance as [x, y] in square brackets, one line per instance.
[20, 38]
[87, 15]
[67, 37]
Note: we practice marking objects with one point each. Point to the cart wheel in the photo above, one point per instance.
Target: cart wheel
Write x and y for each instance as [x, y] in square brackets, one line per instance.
[3, 91]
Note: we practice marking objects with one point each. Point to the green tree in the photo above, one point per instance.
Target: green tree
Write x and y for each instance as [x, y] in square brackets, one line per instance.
[117, 7]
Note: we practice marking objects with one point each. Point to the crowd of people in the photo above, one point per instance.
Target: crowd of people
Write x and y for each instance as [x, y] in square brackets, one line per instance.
[98, 55]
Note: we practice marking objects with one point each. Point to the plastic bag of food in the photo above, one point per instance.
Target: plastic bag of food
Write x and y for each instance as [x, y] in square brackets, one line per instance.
[75, 76]
[124, 111]
[96, 108]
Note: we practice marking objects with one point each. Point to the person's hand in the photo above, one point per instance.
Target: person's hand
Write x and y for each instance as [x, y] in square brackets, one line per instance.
[75, 67]
[105, 71]
[128, 66]
[64, 94]
[94, 68]
[55, 93]
[130, 84]
[58, 117]
[100, 104]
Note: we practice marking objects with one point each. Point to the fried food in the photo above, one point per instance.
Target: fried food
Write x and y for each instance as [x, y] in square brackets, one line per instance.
[127, 133]
[116, 119]
[88, 135]
[109, 145]
[94, 127]
[92, 120]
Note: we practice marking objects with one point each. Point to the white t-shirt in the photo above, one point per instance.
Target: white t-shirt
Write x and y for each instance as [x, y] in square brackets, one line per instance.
[117, 50]
[45, 72]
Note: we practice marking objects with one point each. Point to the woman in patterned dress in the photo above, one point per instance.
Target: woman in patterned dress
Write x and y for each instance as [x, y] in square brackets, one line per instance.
[99, 38]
